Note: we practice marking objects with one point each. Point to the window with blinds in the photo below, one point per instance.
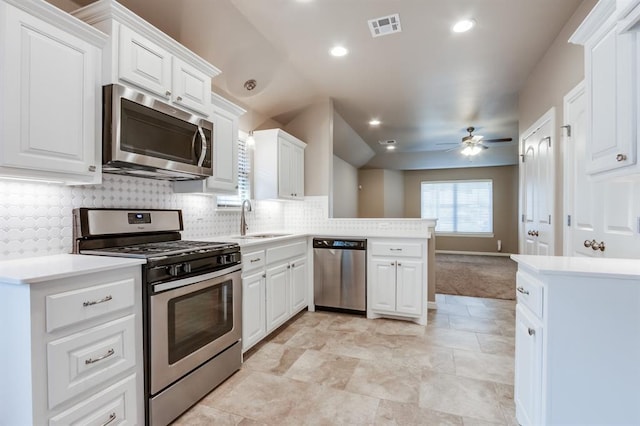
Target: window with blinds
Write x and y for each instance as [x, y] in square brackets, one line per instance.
[461, 207]
[244, 181]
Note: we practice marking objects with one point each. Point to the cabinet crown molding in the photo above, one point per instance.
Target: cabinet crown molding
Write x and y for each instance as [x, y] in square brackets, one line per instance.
[226, 105]
[602, 11]
[112, 10]
[54, 16]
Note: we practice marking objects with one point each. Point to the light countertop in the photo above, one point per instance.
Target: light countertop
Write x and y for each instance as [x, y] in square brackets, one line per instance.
[33, 270]
[585, 266]
[282, 236]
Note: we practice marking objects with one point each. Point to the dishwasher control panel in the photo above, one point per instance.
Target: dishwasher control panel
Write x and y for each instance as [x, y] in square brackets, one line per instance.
[336, 243]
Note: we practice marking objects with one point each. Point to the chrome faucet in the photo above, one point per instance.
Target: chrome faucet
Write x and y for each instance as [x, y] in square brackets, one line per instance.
[243, 220]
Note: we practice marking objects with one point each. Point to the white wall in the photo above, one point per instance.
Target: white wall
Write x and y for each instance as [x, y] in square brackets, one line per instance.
[345, 189]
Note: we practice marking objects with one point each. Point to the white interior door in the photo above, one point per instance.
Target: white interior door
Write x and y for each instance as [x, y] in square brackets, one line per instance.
[537, 186]
[580, 211]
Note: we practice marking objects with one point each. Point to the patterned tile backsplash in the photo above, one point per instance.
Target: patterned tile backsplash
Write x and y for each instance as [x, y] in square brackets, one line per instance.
[35, 218]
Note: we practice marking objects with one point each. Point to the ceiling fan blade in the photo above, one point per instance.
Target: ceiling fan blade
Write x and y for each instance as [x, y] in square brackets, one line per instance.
[448, 143]
[452, 149]
[498, 140]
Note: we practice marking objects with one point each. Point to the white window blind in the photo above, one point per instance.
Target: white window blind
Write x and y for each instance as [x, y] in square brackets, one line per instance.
[244, 182]
[464, 207]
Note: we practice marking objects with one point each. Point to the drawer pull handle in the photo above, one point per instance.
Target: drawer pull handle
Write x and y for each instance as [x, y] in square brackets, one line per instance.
[531, 331]
[100, 358]
[522, 290]
[621, 157]
[95, 302]
[112, 417]
[257, 259]
[395, 249]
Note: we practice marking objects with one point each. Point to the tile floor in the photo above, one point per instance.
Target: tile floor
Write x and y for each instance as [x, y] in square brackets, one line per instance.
[328, 369]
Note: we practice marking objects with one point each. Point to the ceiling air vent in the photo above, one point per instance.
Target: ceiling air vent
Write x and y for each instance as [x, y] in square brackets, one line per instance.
[388, 142]
[385, 25]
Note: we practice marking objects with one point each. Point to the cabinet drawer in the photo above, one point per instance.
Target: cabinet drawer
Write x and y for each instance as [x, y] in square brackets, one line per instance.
[74, 306]
[402, 249]
[287, 251]
[252, 261]
[78, 362]
[113, 405]
[529, 292]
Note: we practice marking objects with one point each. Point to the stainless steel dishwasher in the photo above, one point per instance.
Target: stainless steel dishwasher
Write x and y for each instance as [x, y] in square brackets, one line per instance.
[340, 274]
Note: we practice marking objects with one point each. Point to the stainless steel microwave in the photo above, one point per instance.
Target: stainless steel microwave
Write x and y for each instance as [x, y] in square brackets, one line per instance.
[145, 137]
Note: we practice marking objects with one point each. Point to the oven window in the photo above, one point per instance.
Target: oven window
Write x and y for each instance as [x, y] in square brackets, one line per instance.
[149, 132]
[197, 319]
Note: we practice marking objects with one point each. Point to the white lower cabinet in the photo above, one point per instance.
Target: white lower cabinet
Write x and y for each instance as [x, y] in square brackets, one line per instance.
[396, 279]
[577, 328]
[277, 296]
[76, 349]
[528, 369]
[254, 320]
[274, 281]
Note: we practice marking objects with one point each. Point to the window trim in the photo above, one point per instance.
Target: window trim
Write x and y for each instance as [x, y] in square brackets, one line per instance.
[242, 138]
[481, 234]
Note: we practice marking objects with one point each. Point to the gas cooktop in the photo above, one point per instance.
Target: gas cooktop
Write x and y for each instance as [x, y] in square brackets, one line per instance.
[163, 248]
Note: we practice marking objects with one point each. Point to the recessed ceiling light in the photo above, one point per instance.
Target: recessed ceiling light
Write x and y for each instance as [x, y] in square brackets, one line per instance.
[338, 51]
[374, 122]
[390, 147]
[463, 26]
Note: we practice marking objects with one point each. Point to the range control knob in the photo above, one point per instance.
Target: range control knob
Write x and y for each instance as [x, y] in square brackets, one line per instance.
[173, 270]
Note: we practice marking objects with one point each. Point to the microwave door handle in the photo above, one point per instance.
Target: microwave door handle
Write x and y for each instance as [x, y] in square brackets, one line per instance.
[203, 146]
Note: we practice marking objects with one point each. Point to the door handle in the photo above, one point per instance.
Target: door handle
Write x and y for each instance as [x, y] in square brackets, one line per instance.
[203, 146]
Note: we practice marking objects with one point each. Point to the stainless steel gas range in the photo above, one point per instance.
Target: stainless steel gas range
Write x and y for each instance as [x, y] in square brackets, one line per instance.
[192, 305]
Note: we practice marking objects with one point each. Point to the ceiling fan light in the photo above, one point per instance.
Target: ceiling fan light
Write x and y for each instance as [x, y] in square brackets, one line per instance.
[467, 150]
[475, 150]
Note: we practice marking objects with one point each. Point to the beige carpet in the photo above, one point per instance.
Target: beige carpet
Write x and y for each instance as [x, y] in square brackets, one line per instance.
[477, 276]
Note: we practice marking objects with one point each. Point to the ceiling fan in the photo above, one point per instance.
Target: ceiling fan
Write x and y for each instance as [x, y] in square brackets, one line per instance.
[474, 144]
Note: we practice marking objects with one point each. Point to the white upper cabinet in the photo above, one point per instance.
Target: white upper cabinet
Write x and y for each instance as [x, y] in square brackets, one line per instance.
[50, 124]
[225, 116]
[278, 165]
[611, 88]
[141, 55]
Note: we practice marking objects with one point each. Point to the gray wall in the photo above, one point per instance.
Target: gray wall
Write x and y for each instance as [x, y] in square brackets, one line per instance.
[345, 189]
[505, 205]
[314, 125]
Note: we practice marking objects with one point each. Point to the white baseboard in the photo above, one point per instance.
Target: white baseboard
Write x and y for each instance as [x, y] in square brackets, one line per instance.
[474, 253]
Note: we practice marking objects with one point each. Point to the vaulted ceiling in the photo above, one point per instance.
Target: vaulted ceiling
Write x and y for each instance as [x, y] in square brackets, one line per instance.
[425, 84]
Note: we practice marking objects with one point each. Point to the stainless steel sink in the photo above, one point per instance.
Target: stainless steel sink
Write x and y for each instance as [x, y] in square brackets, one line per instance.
[258, 236]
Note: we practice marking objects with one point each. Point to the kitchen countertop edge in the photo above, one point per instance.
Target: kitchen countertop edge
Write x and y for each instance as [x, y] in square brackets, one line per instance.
[33, 270]
[581, 266]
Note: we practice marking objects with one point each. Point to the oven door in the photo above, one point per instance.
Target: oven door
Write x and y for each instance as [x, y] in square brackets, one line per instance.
[191, 321]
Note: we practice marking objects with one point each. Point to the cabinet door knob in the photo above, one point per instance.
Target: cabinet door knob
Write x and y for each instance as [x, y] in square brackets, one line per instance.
[264, 275]
[531, 331]
[399, 264]
[393, 264]
[522, 290]
[535, 233]
[601, 246]
[168, 93]
[92, 168]
[587, 243]
[594, 245]
[621, 157]
[179, 98]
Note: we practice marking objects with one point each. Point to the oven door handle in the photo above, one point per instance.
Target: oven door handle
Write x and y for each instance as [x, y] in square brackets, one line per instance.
[195, 279]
